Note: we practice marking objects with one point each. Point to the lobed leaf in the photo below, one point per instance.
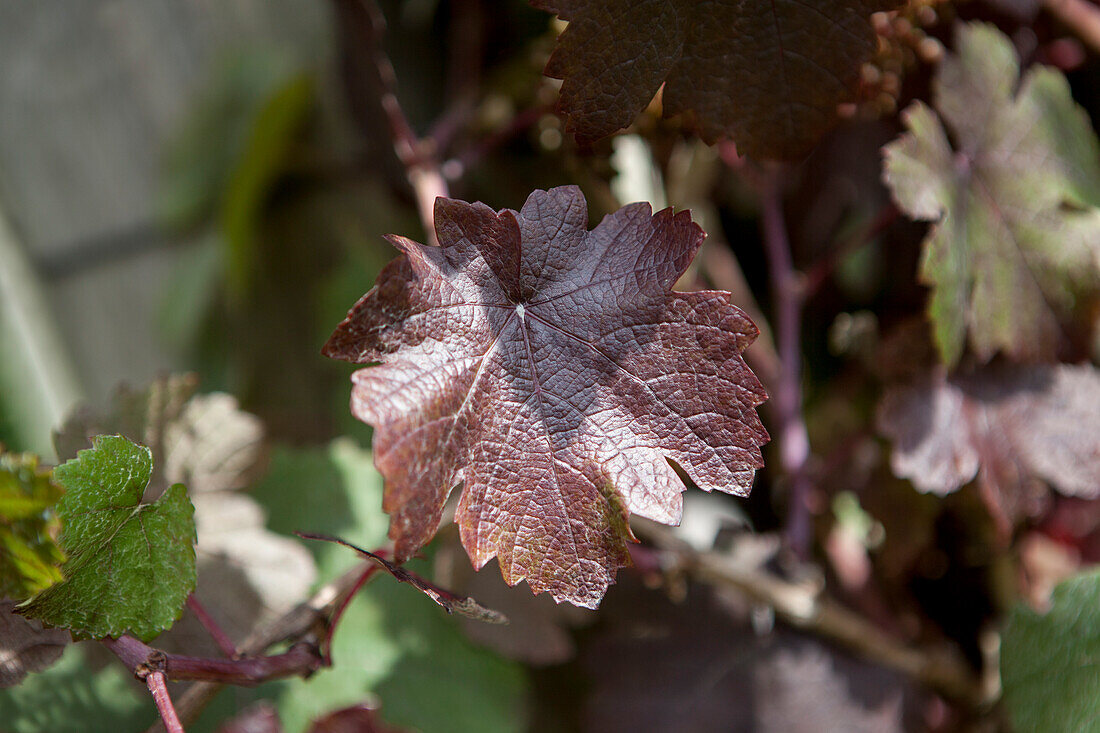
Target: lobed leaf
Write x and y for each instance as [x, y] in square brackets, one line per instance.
[205, 441]
[553, 372]
[1014, 253]
[767, 73]
[130, 565]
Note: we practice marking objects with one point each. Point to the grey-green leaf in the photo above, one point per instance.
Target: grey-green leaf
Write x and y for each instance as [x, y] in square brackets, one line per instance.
[1012, 256]
[1049, 661]
[130, 565]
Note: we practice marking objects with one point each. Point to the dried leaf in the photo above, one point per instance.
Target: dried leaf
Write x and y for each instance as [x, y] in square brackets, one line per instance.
[552, 371]
[768, 74]
[1010, 425]
[202, 441]
[25, 646]
[448, 601]
[1015, 248]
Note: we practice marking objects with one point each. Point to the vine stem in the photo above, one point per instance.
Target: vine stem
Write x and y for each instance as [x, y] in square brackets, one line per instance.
[307, 620]
[159, 689]
[418, 156]
[302, 659]
[364, 577]
[804, 607]
[222, 639]
[788, 296]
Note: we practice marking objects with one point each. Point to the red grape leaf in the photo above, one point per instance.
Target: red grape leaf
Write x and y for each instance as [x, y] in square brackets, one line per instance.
[767, 73]
[552, 371]
[1014, 427]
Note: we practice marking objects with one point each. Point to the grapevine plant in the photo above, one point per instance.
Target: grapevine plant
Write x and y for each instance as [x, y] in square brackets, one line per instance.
[557, 387]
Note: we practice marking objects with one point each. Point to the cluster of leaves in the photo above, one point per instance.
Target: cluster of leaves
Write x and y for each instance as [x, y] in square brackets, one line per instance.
[248, 569]
[545, 381]
[553, 373]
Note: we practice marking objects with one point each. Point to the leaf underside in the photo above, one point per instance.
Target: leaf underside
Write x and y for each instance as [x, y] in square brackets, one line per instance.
[768, 74]
[130, 565]
[1015, 201]
[552, 371]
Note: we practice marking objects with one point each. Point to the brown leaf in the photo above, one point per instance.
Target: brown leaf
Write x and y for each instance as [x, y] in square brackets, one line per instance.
[1010, 426]
[767, 73]
[356, 719]
[260, 717]
[25, 647]
[553, 371]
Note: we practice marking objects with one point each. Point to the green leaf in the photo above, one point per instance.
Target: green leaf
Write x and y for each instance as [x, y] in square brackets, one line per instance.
[29, 557]
[1049, 661]
[392, 641]
[1012, 256]
[131, 565]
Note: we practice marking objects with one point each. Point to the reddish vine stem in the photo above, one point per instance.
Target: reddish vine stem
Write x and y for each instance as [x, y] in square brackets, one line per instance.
[302, 659]
[788, 298]
[306, 621]
[418, 156]
[217, 633]
[156, 684]
[826, 265]
[326, 646]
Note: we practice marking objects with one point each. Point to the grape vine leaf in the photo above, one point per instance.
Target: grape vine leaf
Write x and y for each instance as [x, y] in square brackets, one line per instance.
[767, 73]
[246, 574]
[130, 565]
[1014, 252]
[1048, 661]
[1015, 427]
[551, 370]
[30, 559]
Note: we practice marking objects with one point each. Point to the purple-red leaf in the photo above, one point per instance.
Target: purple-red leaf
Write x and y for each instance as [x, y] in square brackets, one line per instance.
[1013, 427]
[767, 73]
[552, 371]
